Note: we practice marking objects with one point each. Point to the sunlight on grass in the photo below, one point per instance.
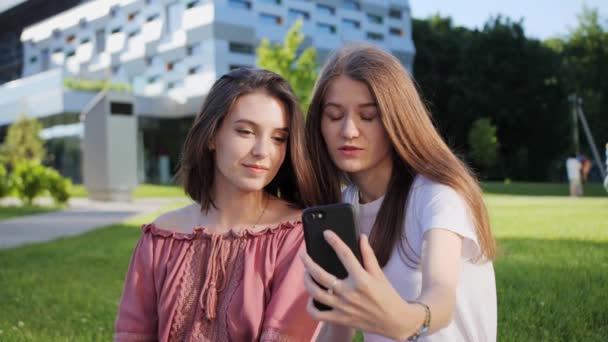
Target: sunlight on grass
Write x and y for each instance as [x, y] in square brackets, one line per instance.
[552, 275]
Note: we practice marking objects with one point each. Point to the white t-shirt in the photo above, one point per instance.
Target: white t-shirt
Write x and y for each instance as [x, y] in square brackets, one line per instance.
[573, 168]
[433, 205]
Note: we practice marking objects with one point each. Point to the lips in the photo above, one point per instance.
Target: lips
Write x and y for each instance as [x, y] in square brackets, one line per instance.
[349, 148]
[255, 167]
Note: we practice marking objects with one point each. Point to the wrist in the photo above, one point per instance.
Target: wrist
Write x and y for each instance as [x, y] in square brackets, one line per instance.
[407, 321]
[424, 327]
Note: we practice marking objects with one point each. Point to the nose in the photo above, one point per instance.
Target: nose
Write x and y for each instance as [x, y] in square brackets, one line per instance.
[261, 148]
[349, 128]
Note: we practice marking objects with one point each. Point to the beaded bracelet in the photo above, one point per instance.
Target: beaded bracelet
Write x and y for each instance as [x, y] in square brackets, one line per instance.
[425, 326]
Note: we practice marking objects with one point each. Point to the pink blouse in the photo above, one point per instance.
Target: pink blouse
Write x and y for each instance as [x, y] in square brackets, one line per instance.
[202, 286]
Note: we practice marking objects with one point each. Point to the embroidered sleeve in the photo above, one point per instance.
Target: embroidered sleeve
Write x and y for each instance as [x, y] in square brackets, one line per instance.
[137, 315]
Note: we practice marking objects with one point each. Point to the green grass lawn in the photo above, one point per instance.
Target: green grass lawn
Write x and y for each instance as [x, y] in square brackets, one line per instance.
[552, 275]
[541, 189]
[143, 190]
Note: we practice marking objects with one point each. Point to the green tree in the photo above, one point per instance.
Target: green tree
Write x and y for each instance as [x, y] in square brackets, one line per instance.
[584, 68]
[23, 142]
[483, 143]
[299, 69]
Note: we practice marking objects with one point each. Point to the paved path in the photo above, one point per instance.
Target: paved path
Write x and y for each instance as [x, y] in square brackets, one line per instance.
[81, 216]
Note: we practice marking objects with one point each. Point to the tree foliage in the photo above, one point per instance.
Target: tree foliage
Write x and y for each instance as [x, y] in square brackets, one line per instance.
[299, 69]
[23, 142]
[495, 70]
[483, 143]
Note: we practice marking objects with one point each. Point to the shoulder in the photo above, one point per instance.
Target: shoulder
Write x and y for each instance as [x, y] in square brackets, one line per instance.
[282, 211]
[425, 189]
[179, 220]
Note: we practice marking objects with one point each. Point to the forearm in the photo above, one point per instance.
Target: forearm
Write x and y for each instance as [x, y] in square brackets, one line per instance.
[441, 301]
[333, 332]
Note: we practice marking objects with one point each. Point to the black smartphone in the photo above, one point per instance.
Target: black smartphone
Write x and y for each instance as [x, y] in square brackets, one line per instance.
[340, 219]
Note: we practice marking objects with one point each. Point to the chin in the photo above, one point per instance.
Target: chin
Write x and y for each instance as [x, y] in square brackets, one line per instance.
[349, 167]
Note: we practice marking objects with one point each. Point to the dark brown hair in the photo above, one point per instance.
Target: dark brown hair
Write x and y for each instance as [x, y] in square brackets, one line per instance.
[294, 179]
[417, 147]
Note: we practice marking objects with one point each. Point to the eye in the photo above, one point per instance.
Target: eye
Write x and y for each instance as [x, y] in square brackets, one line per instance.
[244, 132]
[280, 139]
[334, 116]
[368, 116]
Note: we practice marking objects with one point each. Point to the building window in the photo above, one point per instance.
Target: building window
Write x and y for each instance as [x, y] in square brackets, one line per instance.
[273, 2]
[70, 38]
[153, 79]
[100, 40]
[70, 54]
[132, 16]
[170, 66]
[45, 59]
[82, 23]
[352, 5]
[394, 13]
[134, 33]
[396, 31]
[376, 19]
[56, 33]
[352, 24]
[170, 85]
[241, 48]
[193, 49]
[115, 69]
[116, 30]
[85, 40]
[375, 36]
[148, 60]
[114, 11]
[270, 19]
[58, 50]
[191, 4]
[244, 4]
[194, 70]
[152, 17]
[324, 9]
[294, 14]
[33, 60]
[326, 28]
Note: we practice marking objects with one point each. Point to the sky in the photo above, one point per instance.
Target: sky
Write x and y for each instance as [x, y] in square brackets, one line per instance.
[542, 18]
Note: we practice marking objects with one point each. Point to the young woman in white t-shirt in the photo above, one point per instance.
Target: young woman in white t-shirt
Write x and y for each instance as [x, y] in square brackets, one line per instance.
[427, 269]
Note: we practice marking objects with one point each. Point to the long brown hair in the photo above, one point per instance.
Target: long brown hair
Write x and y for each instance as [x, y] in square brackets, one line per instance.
[417, 147]
[294, 180]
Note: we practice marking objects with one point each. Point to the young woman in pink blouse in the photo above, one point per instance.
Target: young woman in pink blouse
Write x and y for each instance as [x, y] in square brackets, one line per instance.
[225, 268]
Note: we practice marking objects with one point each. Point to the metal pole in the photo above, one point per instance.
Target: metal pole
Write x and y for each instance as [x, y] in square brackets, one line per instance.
[596, 155]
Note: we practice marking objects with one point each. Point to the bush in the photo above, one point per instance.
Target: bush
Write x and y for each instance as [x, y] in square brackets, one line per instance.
[58, 186]
[483, 143]
[29, 180]
[5, 182]
[95, 85]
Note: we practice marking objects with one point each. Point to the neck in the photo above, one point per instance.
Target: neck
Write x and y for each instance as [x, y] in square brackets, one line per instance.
[373, 183]
[236, 209]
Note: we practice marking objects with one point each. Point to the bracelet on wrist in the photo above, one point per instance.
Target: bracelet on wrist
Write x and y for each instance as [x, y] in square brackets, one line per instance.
[425, 326]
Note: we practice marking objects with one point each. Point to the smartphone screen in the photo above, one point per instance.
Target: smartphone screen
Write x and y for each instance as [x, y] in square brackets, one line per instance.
[338, 218]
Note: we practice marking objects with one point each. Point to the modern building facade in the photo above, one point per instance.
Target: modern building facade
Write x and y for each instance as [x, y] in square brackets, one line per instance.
[170, 52]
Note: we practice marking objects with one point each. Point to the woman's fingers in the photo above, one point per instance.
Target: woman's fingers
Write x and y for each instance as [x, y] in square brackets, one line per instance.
[344, 253]
[317, 272]
[370, 262]
[320, 294]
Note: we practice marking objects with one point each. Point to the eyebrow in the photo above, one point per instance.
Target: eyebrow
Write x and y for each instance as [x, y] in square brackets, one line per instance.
[249, 122]
[368, 104]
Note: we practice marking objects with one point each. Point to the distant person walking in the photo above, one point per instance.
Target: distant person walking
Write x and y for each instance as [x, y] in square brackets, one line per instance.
[574, 168]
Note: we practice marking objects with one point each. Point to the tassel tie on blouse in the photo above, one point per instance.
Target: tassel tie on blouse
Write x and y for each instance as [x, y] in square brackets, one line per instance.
[215, 279]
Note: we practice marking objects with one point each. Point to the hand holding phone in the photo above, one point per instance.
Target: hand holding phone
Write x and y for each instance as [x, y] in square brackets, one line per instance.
[340, 219]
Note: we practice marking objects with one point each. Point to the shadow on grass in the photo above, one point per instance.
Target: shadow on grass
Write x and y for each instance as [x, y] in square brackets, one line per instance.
[540, 189]
[552, 290]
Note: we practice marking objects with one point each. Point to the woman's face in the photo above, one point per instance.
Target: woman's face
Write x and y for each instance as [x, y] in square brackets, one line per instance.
[251, 143]
[352, 128]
